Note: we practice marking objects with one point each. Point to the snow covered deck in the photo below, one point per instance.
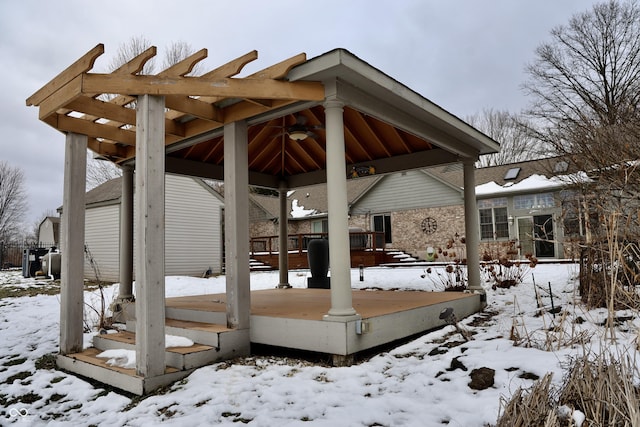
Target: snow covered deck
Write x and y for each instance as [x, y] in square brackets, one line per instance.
[294, 318]
[290, 318]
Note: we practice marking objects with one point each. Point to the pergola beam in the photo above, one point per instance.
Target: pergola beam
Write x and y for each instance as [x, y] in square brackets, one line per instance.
[233, 67]
[194, 107]
[82, 65]
[202, 86]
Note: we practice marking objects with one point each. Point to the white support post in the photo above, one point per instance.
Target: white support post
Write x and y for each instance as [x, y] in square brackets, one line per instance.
[236, 200]
[472, 227]
[149, 195]
[339, 251]
[72, 239]
[283, 239]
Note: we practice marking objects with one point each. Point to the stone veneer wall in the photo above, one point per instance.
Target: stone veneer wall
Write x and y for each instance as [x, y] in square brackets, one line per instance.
[263, 228]
[406, 228]
[361, 221]
[407, 233]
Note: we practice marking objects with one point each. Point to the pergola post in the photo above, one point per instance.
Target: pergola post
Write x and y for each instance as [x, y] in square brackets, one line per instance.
[150, 291]
[126, 236]
[125, 288]
[339, 253]
[236, 198]
[283, 238]
[72, 239]
[472, 227]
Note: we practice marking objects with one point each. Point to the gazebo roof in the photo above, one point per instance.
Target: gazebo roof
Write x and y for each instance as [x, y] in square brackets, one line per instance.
[387, 126]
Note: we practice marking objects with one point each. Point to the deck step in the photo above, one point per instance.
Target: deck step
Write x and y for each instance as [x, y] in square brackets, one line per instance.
[229, 343]
[200, 332]
[190, 314]
[88, 365]
[220, 343]
[181, 358]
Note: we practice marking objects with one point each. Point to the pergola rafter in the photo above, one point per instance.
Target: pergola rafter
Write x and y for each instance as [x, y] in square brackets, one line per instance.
[99, 105]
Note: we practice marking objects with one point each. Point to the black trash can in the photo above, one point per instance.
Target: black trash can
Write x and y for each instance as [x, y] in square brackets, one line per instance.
[318, 257]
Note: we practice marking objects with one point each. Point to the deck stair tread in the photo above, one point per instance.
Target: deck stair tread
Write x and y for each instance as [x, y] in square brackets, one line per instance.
[90, 355]
[197, 326]
[89, 365]
[129, 339]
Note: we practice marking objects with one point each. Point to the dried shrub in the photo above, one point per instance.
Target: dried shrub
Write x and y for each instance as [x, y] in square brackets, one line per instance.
[527, 408]
[501, 267]
[601, 387]
[453, 277]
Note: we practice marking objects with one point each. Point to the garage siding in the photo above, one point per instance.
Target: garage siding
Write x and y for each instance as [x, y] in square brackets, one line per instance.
[102, 239]
[192, 232]
[192, 228]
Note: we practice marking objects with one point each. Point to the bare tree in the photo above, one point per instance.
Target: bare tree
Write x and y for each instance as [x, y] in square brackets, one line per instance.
[98, 170]
[129, 50]
[176, 52]
[13, 201]
[585, 89]
[516, 144]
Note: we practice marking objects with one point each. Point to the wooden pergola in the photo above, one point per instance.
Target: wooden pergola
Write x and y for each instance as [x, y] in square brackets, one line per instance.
[295, 123]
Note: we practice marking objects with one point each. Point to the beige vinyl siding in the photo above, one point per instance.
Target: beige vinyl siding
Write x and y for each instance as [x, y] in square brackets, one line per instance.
[192, 228]
[192, 232]
[102, 238]
[407, 190]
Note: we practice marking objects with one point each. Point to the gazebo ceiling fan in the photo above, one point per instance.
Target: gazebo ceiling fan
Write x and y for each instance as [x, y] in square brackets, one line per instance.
[300, 131]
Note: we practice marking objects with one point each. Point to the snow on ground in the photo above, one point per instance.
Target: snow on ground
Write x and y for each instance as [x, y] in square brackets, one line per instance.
[424, 382]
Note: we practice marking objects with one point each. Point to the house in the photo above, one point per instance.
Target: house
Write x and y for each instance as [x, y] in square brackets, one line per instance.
[306, 206]
[524, 207]
[193, 228]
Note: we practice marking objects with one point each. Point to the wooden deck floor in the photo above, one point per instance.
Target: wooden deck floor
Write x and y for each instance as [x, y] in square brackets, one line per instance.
[313, 304]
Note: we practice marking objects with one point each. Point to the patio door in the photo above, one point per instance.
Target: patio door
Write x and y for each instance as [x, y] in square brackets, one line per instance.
[382, 224]
[535, 235]
[543, 233]
[525, 236]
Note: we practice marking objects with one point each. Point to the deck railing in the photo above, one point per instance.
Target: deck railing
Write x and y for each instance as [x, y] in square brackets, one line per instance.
[360, 240]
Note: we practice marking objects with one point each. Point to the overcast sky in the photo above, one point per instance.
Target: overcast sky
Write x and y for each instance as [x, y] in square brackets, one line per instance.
[464, 55]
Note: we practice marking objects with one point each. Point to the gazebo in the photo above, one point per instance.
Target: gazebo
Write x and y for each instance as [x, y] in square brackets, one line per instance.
[292, 124]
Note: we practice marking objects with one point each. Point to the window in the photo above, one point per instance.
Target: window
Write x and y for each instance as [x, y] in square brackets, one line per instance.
[498, 202]
[320, 226]
[494, 220]
[571, 220]
[531, 201]
[511, 174]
